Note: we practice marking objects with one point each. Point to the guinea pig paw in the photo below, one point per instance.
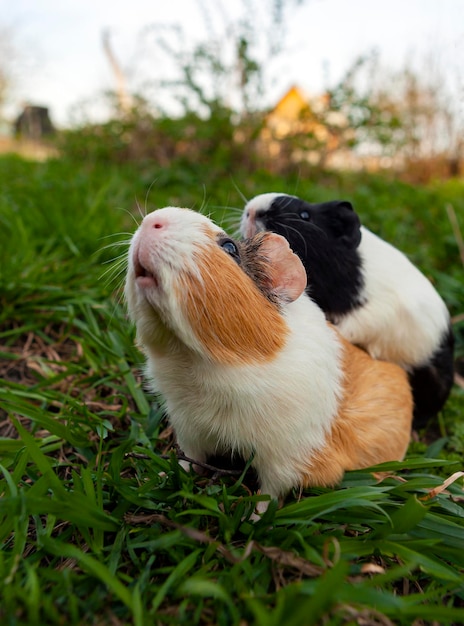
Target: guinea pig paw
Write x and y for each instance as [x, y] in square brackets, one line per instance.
[188, 466]
[260, 508]
[255, 517]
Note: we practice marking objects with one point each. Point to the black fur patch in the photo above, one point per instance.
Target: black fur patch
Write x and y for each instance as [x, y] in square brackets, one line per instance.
[325, 236]
[431, 383]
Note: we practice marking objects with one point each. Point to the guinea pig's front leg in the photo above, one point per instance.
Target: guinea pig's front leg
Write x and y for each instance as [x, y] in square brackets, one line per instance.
[274, 481]
[187, 465]
[192, 451]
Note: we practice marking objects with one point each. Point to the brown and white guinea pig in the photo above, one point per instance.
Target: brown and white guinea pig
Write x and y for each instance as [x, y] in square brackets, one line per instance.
[377, 298]
[247, 363]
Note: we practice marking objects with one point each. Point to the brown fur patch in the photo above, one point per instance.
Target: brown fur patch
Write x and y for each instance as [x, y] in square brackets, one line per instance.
[234, 321]
[374, 421]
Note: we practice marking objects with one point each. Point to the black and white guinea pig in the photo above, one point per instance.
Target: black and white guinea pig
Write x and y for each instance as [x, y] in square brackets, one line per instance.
[247, 363]
[377, 298]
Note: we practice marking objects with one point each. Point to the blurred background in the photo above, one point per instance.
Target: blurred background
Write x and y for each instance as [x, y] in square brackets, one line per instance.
[285, 85]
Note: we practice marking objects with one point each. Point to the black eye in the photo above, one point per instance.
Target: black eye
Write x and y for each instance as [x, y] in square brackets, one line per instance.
[231, 248]
[304, 215]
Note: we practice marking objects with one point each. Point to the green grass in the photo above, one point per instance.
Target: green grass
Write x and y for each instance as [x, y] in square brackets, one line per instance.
[90, 531]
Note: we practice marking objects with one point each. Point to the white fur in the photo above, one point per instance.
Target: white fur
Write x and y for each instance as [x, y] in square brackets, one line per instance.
[249, 224]
[280, 410]
[404, 318]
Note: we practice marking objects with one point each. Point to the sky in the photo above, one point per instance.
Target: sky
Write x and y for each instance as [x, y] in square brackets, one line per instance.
[58, 59]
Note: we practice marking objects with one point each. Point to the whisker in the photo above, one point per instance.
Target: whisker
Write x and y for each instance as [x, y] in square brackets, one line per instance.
[139, 209]
[116, 235]
[308, 224]
[229, 219]
[129, 213]
[231, 227]
[235, 233]
[238, 190]
[288, 201]
[202, 208]
[112, 314]
[119, 299]
[115, 244]
[112, 274]
[297, 182]
[233, 209]
[112, 246]
[143, 214]
[288, 228]
[115, 282]
[117, 263]
[116, 258]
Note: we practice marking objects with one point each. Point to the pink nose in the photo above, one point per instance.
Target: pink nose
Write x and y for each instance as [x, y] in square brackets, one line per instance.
[155, 221]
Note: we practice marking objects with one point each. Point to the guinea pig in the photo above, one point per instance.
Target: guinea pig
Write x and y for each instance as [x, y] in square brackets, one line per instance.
[376, 297]
[246, 362]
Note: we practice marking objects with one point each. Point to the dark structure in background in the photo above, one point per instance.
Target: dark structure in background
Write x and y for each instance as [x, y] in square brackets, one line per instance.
[33, 123]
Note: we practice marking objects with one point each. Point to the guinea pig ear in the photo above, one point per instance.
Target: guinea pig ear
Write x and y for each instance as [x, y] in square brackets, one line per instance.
[287, 276]
[345, 223]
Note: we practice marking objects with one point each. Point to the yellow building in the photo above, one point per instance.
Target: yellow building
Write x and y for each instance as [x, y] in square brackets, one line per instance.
[300, 128]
